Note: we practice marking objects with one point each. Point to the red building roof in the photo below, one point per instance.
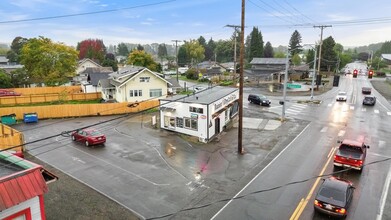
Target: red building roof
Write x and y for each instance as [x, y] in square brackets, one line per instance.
[20, 180]
[20, 187]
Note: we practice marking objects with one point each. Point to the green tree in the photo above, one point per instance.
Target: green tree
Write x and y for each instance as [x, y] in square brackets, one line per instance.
[268, 52]
[122, 49]
[338, 48]
[209, 50]
[329, 57]
[5, 80]
[295, 43]
[110, 61]
[183, 58]
[13, 55]
[256, 44]
[48, 62]
[194, 51]
[162, 51]
[141, 58]
[279, 54]
[19, 78]
[310, 57]
[345, 58]
[3, 51]
[139, 47]
[296, 60]
[224, 51]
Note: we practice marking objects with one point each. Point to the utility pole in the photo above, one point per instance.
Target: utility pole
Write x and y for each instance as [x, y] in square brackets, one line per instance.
[235, 27]
[176, 57]
[320, 45]
[240, 127]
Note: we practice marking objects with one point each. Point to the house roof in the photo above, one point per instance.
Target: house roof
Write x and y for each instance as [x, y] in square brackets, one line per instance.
[122, 76]
[174, 83]
[95, 77]
[20, 180]
[207, 96]
[386, 56]
[105, 83]
[88, 60]
[3, 59]
[279, 61]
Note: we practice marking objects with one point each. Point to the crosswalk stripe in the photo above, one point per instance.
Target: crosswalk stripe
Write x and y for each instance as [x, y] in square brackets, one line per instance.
[388, 113]
[324, 129]
[292, 110]
[351, 107]
[376, 111]
[341, 133]
[364, 109]
[330, 104]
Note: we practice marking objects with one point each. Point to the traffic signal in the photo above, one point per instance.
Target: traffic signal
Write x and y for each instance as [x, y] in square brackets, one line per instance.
[355, 72]
[370, 74]
[336, 81]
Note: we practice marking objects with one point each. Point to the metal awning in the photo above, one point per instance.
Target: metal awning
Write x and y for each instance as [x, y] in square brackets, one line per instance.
[222, 110]
[167, 109]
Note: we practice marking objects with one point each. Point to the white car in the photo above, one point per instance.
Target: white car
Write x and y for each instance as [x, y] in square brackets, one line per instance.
[342, 96]
[199, 88]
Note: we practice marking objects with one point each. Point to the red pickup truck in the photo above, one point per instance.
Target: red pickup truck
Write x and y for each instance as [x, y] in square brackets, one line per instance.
[350, 154]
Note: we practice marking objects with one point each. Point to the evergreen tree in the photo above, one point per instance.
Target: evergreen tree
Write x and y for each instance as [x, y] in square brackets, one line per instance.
[329, 57]
[183, 59]
[268, 51]
[295, 43]
[122, 49]
[139, 47]
[256, 44]
[209, 50]
[162, 51]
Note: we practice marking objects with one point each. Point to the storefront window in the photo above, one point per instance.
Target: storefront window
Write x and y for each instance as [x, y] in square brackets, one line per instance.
[191, 123]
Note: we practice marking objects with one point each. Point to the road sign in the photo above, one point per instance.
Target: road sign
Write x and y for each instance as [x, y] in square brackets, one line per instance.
[293, 86]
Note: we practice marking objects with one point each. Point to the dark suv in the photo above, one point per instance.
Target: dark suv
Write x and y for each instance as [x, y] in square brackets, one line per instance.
[259, 99]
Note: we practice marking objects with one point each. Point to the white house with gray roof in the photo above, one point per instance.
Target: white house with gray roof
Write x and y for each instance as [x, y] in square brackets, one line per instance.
[204, 114]
[133, 84]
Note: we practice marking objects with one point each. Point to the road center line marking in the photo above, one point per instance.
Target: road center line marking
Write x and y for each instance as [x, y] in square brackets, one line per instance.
[296, 214]
[324, 129]
[275, 158]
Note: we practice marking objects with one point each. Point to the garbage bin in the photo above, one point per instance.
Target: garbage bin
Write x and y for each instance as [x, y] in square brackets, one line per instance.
[30, 117]
[8, 119]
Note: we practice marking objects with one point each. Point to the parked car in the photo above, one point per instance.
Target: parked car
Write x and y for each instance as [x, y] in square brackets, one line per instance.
[89, 137]
[351, 154]
[7, 92]
[369, 100]
[199, 88]
[334, 197]
[342, 96]
[259, 99]
[366, 90]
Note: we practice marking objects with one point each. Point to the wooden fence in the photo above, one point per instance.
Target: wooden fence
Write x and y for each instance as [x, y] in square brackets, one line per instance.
[46, 97]
[48, 90]
[10, 137]
[80, 110]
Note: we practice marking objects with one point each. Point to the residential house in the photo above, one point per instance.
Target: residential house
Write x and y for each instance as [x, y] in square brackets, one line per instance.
[3, 60]
[23, 185]
[81, 67]
[386, 58]
[94, 74]
[134, 84]
[173, 87]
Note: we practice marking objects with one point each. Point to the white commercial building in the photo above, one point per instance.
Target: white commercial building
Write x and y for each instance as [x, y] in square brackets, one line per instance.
[204, 114]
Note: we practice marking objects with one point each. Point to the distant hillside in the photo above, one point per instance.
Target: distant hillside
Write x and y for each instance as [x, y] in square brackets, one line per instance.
[4, 46]
[370, 47]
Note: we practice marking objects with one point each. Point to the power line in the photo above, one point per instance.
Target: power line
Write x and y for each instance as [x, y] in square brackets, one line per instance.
[85, 13]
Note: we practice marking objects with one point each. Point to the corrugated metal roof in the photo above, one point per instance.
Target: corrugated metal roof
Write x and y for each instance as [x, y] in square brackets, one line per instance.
[268, 61]
[21, 186]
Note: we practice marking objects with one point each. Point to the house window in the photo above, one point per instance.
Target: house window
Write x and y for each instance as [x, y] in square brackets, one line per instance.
[144, 79]
[155, 92]
[196, 110]
[135, 93]
[169, 122]
[191, 123]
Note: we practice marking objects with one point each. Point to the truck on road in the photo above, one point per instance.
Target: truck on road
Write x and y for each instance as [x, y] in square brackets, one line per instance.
[350, 154]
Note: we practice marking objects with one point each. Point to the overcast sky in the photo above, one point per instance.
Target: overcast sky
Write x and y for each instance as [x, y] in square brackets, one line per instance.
[354, 23]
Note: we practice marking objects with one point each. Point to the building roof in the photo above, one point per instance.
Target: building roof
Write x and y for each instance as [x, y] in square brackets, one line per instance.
[105, 83]
[174, 83]
[279, 61]
[86, 60]
[122, 76]
[20, 180]
[386, 56]
[3, 59]
[207, 96]
[95, 77]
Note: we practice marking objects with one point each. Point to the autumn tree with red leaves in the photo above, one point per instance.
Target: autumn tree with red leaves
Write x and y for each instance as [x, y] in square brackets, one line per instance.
[93, 49]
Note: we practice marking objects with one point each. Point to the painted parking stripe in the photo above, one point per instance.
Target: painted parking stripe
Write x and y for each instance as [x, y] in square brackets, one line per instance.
[364, 109]
[341, 133]
[388, 113]
[330, 104]
[376, 111]
[324, 129]
[351, 107]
